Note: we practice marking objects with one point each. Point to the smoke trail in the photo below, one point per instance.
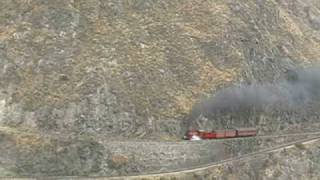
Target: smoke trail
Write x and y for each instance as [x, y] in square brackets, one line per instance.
[301, 88]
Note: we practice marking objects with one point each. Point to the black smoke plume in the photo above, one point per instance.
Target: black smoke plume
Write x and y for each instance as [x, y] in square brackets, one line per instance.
[300, 89]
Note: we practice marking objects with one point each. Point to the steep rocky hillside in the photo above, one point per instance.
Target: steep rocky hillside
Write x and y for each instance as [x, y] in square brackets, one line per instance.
[135, 68]
[76, 73]
[25, 153]
[299, 162]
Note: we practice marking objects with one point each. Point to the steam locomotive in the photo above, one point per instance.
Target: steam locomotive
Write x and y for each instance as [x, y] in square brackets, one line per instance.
[194, 134]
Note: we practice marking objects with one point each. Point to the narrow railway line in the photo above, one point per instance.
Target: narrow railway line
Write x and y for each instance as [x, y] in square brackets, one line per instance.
[269, 136]
[217, 140]
[291, 134]
[248, 156]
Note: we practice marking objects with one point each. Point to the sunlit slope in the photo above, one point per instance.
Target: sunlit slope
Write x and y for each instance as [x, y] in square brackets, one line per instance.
[133, 68]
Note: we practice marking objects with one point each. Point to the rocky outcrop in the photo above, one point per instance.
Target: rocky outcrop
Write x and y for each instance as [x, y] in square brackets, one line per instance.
[80, 73]
[135, 68]
[26, 153]
[297, 162]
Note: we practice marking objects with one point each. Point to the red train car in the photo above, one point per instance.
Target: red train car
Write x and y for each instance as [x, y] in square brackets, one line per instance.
[243, 132]
[206, 135]
[228, 133]
[218, 134]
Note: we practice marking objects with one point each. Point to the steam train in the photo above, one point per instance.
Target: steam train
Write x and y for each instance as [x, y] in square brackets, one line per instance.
[220, 134]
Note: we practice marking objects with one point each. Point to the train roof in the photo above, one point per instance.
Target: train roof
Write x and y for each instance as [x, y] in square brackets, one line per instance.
[223, 130]
[246, 129]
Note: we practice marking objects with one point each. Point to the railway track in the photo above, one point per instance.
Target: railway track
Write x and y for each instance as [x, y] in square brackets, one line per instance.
[247, 157]
[291, 134]
[270, 136]
[214, 140]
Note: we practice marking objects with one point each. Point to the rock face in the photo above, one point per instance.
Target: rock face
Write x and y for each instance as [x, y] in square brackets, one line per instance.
[86, 70]
[25, 153]
[136, 68]
[299, 162]
[28, 154]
